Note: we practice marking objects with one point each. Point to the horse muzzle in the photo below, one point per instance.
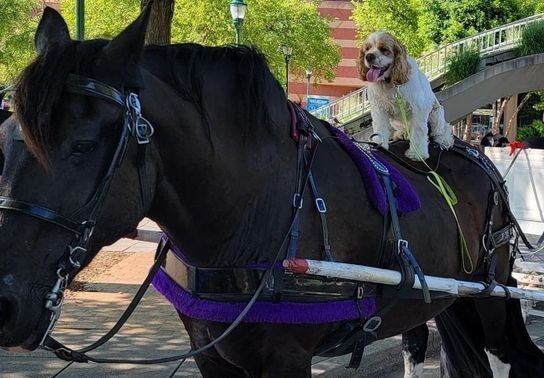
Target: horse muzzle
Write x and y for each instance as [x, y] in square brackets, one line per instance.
[14, 331]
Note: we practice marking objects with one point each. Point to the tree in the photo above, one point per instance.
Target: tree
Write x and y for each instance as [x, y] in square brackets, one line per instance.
[160, 22]
[18, 21]
[268, 24]
[399, 17]
[103, 18]
[424, 24]
[450, 20]
[501, 105]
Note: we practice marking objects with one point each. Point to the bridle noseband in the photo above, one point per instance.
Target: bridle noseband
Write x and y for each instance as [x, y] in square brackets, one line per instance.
[82, 221]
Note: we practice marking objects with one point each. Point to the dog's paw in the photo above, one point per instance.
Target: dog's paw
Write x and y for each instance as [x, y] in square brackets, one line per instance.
[416, 155]
[444, 141]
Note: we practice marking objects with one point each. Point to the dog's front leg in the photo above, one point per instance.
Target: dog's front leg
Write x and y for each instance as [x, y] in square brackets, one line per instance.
[381, 126]
[419, 141]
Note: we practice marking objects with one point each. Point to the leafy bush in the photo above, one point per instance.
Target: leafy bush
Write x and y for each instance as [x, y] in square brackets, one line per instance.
[462, 65]
[532, 40]
[534, 129]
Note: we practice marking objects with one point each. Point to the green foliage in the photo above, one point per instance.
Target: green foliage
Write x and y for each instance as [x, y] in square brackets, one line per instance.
[399, 17]
[17, 26]
[534, 129]
[532, 40]
[462, 65]
[422, 25]
[450, 20]
[268, 24]
[539, 105]
[103, 18]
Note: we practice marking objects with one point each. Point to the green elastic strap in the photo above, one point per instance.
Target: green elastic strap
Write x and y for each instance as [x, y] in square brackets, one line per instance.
[443, 188]
[451, 199]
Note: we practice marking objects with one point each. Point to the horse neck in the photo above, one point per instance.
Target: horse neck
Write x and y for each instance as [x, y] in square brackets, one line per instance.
[222, 198]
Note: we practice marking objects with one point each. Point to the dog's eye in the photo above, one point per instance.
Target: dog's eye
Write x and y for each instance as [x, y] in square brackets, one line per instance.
[384, 50]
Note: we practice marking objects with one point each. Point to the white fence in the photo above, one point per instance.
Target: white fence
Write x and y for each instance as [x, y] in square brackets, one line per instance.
[525, 182]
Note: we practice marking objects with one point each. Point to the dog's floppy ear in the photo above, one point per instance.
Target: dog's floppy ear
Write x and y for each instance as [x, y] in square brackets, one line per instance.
[401, 69]
[361, 67]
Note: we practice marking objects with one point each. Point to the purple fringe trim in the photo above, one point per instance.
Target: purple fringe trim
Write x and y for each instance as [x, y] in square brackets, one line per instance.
[261, 312]
[407, 198]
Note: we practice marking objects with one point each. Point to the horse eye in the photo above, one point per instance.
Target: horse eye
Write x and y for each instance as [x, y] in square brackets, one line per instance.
[83, 147]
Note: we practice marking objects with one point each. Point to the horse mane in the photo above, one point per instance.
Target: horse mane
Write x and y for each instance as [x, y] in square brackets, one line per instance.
[189, 65]
[40, 87]
[41, 84]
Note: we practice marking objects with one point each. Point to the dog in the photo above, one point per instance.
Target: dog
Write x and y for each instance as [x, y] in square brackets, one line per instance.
[393, 76]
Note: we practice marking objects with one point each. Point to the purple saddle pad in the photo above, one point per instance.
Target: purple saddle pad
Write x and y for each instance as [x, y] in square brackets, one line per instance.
[407, 198]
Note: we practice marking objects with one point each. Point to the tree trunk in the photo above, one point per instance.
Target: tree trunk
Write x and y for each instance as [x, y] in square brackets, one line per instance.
[160, 22]
[500, 111]
[509, 126]
[467, 135]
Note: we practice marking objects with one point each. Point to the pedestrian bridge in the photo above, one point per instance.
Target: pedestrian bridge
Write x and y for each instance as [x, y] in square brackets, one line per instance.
[525, 74]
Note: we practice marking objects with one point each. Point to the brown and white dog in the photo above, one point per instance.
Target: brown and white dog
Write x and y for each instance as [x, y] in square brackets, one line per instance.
[390, 72]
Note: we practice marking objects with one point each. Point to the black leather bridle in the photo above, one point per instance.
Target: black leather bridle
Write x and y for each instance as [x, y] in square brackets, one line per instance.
[82, 221]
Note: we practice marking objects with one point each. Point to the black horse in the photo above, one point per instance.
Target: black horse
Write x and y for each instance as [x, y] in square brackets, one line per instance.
[218, 176]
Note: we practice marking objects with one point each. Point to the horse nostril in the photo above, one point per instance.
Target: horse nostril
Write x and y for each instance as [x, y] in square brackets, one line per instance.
[370, 57]
[7, 309]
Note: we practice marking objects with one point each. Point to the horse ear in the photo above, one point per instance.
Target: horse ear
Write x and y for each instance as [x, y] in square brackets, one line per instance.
[127, 47]
[51, 29]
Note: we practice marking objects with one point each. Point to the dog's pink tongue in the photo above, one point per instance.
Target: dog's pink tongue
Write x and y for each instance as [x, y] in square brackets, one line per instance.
[373, 74]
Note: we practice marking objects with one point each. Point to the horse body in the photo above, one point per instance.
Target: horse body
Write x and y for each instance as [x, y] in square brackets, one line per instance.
[219, 177]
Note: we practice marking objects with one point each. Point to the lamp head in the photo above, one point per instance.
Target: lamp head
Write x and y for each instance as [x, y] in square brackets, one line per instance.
[238, 10]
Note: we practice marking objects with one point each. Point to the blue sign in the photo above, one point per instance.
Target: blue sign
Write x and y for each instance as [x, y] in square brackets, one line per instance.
[314, 102]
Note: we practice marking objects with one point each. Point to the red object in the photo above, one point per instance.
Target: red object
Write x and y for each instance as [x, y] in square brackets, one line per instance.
[296, 265]
[515, 145]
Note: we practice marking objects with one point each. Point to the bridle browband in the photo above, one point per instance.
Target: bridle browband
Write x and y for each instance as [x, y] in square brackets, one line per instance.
[82, 221]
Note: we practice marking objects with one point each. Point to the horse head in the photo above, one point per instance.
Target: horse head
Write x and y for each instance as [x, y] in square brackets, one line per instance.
[70, 185]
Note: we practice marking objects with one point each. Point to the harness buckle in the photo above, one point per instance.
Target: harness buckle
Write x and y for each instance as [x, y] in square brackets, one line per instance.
[298, 201]
[401, 243]
[372, 324]
[320, 204]
[360, 292]
[143, 130]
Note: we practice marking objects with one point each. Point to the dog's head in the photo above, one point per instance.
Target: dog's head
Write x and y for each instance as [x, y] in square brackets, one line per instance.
[383, 57]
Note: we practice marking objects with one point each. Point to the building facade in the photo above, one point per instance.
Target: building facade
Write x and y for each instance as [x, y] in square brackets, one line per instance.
[343, 31]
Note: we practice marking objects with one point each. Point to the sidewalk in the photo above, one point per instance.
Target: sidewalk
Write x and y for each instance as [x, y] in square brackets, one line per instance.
[105, 289]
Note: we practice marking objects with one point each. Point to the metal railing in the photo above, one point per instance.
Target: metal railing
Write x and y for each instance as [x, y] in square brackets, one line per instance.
[434, 65]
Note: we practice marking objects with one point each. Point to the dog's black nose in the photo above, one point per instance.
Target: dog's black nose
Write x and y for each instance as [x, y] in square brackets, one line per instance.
[370, 57]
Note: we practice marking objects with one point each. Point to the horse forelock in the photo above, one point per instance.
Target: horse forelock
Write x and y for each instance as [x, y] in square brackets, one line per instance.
[40, 87]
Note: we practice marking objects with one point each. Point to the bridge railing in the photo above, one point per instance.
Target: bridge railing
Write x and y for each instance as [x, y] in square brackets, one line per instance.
[434, 65]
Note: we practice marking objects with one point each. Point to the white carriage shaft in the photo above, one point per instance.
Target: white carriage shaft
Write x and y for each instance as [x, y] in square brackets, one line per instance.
[392, 277]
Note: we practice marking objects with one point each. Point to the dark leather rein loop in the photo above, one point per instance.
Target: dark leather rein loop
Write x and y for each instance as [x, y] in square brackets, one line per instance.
[40, 212]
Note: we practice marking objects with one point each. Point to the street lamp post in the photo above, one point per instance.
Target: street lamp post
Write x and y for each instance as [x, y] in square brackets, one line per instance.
[287, 52]
[80, 20]
[238, 12]
[308, 77]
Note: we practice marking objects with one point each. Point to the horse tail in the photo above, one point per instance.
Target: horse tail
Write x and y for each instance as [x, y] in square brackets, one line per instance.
[462, 354]
[463, 341]
[527, 358]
